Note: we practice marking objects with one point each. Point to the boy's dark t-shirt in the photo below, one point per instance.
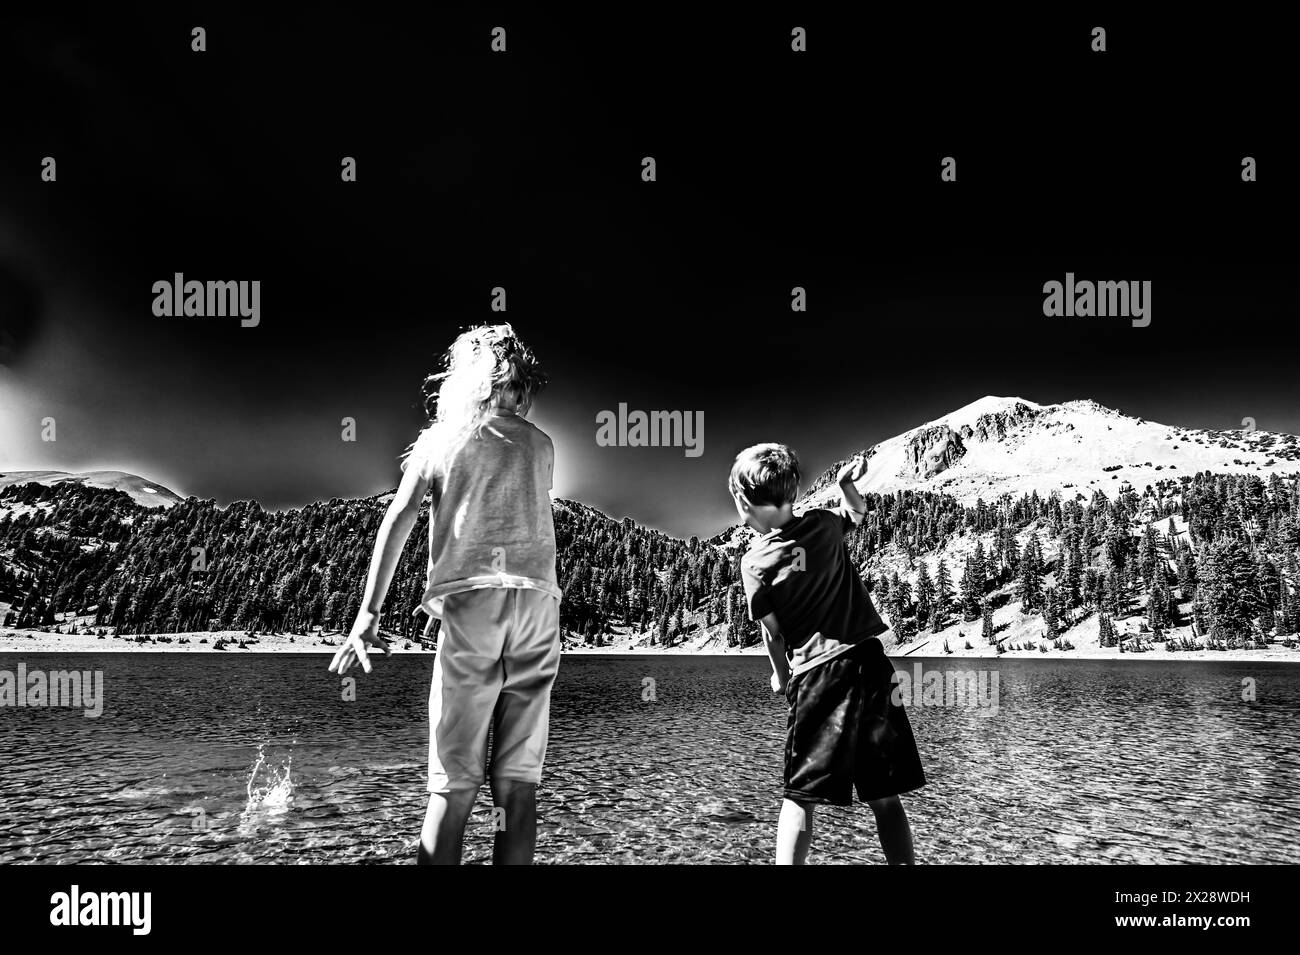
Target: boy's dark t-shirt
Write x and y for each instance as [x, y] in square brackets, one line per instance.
[803, 574]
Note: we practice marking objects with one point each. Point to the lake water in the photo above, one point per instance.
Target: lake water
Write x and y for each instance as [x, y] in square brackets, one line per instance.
[220, 758]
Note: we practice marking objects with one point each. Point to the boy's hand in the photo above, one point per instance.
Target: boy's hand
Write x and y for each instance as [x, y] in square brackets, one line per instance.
[849, 494]
[777, 685]
[854, 470]
[365, 633]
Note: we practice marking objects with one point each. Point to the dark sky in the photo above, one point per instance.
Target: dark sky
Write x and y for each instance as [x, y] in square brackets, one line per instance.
[523, 170]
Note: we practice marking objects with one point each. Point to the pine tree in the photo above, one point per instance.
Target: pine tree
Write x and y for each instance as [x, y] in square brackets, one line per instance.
[1186, 573]
[924, 593]
[1116, 545]
[1071, 570]
[1093, 591]
[1288, 615]
[1267, 620]
[972, 589]
[1149, 554]
[1031, 576]
[733, 615]
[942, 593]
[1231, 590]
[1105, 631]
[986, 614]
[1157, 610]
[1115, 597]
[1289, 584]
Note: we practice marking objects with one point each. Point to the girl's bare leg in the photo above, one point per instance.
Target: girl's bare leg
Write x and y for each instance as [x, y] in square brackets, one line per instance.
[443, 835]
[514, 843]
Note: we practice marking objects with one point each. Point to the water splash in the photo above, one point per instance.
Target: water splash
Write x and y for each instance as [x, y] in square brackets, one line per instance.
[270, 787]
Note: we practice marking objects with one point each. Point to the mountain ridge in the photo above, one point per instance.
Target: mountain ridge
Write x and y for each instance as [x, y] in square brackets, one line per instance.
[1009, 445]
[139, 489]
[1044, 448]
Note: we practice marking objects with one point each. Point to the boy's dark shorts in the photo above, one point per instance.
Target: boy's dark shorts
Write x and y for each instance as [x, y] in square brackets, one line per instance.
[845, 731]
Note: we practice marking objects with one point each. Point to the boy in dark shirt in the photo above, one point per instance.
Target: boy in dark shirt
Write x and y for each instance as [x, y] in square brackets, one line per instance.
[844, 730]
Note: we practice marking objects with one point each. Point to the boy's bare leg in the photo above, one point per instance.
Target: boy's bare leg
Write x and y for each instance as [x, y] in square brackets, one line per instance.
[514, 844]
[443, 834]
[794, 832]
[894, 830]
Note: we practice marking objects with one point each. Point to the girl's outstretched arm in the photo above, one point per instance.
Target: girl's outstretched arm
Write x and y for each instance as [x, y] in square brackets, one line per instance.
[393, 532]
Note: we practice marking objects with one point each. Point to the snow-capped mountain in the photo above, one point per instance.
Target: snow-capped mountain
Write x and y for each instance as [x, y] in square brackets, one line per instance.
[1010, 445]
[140, 490]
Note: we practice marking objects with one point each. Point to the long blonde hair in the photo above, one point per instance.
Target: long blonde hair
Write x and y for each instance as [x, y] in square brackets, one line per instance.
[485, 368]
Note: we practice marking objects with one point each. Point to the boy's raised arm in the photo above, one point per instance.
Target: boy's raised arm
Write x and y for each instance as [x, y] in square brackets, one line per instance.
[393, 532]
[851, 472]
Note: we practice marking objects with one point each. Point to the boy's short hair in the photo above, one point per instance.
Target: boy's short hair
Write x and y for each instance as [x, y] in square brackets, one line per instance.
[766, 474]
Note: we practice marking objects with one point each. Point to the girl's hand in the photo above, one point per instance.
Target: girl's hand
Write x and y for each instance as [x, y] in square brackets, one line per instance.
[777, 685]
[854, 470]
[365, 633]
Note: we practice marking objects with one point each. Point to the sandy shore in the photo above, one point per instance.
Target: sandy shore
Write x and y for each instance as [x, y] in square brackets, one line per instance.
[37, 641]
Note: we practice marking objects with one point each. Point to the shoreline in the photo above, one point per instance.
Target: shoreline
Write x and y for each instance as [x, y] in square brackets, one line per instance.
[20, 642]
